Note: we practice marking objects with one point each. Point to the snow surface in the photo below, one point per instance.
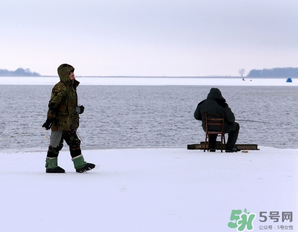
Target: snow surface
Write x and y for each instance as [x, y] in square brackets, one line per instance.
[146, 190]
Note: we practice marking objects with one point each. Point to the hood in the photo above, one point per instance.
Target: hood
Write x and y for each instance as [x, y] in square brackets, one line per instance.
[63, 72]
[215, 94]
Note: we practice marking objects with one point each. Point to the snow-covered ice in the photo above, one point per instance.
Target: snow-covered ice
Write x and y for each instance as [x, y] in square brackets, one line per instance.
[146, 190]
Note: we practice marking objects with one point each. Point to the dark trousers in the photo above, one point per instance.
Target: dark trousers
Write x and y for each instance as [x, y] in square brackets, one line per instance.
[232, 138]
[56, 144]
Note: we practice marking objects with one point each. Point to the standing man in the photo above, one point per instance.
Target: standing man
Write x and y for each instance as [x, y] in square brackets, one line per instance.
[216, 104]
[63, 119]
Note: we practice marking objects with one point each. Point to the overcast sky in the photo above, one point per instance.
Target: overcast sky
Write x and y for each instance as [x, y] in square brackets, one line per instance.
[149, 37]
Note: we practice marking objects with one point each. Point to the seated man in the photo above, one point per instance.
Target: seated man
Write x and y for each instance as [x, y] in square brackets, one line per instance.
[216, 104]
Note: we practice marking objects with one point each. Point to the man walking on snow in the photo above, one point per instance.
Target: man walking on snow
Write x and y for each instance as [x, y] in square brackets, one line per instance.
[63, 119]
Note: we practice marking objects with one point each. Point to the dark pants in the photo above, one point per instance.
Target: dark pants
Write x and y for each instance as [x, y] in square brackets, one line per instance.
[232, 138]
[233, 135]
[56, 143]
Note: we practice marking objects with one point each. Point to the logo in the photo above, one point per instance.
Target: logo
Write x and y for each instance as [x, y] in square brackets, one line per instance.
[243, 220]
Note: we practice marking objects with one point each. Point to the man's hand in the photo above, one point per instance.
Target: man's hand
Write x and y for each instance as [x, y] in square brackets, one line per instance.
[82, 108]
[48, 124]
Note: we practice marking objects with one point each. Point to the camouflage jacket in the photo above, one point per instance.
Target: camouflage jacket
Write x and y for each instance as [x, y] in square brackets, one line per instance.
[64, 99]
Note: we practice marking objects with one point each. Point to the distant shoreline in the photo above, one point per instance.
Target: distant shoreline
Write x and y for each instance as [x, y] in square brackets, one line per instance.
[154, 81]
[254, 73]
[247, 78]
[18, 72]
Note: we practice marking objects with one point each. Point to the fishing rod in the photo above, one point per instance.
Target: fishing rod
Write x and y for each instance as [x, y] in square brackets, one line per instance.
[244, 120]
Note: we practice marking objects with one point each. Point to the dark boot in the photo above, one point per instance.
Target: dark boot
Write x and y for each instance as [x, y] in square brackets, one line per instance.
[212, 143]
[234, 149]
[52, 165]
[80, 165]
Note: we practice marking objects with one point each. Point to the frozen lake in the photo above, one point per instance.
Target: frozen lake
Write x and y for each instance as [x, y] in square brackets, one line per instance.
[148, 116]
[153, 189]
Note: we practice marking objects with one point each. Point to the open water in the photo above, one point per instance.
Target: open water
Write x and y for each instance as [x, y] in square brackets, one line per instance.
[149, 116]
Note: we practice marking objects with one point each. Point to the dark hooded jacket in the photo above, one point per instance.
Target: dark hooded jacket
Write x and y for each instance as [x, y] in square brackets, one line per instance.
[215, 104]
[62, 106]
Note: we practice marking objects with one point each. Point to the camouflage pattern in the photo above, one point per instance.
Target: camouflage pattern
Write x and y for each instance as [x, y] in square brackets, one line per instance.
[62, 106]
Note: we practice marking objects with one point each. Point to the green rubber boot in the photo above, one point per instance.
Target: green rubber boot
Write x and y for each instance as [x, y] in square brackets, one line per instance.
[52, 165]
[80, 164]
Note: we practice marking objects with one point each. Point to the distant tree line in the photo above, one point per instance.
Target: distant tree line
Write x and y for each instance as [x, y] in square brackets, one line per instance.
[18, 72]
[274, 72]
